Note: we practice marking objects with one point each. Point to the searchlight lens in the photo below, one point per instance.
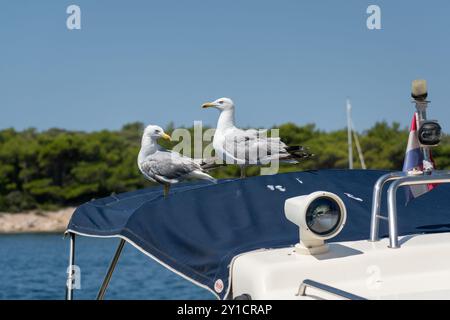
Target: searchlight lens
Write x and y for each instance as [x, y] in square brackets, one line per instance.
[430, 133]
[323, 216]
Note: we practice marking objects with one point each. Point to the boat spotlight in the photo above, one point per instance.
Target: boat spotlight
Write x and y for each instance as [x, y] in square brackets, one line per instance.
[430, 133]
[320, 216]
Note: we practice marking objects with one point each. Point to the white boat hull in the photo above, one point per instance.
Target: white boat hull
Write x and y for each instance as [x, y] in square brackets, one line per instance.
[420, 269]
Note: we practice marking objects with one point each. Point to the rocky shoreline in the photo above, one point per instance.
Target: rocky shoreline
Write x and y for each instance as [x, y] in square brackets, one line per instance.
[35, 221]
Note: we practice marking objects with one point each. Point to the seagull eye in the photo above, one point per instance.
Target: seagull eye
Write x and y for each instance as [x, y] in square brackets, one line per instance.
[221, 102]
[157, 131]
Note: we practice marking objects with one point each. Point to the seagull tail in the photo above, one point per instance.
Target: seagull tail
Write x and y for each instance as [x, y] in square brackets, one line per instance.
[198, 174]
[210, 164]
[299, 152]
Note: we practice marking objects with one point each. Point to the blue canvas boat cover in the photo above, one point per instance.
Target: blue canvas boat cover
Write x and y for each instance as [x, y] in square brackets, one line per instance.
[199, 229]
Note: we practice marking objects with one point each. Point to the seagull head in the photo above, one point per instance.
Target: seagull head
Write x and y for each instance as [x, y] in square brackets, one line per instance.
[221, 104]
[155, 132]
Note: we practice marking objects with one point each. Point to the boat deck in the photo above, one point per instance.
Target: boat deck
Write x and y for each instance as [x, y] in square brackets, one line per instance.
[420, 269]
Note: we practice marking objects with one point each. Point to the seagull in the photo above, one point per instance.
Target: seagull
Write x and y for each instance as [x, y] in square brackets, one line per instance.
[164, 166]
[245, 147]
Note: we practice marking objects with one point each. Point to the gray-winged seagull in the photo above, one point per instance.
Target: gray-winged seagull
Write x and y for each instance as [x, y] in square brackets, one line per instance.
[165, 166]
[247, 147]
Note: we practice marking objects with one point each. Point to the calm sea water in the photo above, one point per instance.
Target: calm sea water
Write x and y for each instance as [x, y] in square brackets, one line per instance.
[34, 267]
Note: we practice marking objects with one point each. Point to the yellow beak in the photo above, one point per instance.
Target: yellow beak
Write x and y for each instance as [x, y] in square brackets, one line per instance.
[208, 105]
[166, 136]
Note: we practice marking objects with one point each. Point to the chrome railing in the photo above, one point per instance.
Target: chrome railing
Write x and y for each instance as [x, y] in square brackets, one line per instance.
[400, 179]
[326, 288]
[376, 202]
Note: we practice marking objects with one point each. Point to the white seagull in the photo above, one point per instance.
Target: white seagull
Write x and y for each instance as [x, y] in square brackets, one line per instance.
[165, 166]
[247, 147]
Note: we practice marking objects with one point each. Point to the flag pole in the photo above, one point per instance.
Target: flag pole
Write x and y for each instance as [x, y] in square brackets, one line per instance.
[420, 94]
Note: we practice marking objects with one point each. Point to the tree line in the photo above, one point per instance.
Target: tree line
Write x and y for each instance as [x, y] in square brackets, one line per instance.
[56, 167]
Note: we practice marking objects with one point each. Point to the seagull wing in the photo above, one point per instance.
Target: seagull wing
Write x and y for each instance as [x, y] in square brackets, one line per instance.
[166, 166]
[251, 146]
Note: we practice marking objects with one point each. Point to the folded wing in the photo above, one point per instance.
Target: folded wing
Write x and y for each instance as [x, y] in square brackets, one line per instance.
[168, 167]
[252, 147]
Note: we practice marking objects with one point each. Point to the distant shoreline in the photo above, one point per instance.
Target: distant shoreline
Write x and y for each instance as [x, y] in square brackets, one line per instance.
[35, 221]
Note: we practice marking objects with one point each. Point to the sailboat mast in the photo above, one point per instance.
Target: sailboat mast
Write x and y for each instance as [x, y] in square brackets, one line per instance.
[349, 135]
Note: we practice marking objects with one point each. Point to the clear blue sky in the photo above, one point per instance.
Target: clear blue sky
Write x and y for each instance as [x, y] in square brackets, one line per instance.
[158, 61]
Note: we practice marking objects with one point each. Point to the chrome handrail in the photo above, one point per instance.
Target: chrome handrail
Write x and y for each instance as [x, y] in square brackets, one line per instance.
[392, 199]
[376, 201]
[401, 179]
[326, 288]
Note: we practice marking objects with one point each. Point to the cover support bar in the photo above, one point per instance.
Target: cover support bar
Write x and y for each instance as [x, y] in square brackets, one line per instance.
[112, 266]
[71, 269]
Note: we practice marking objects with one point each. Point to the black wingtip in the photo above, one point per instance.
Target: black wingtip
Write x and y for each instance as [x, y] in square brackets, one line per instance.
[299, 152]
[291, 149]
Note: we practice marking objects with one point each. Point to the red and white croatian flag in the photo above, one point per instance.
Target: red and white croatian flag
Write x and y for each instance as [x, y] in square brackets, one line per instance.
[414, 161]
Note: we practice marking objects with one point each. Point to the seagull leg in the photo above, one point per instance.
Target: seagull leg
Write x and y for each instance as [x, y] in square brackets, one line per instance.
[166, 190]
[243, 172]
